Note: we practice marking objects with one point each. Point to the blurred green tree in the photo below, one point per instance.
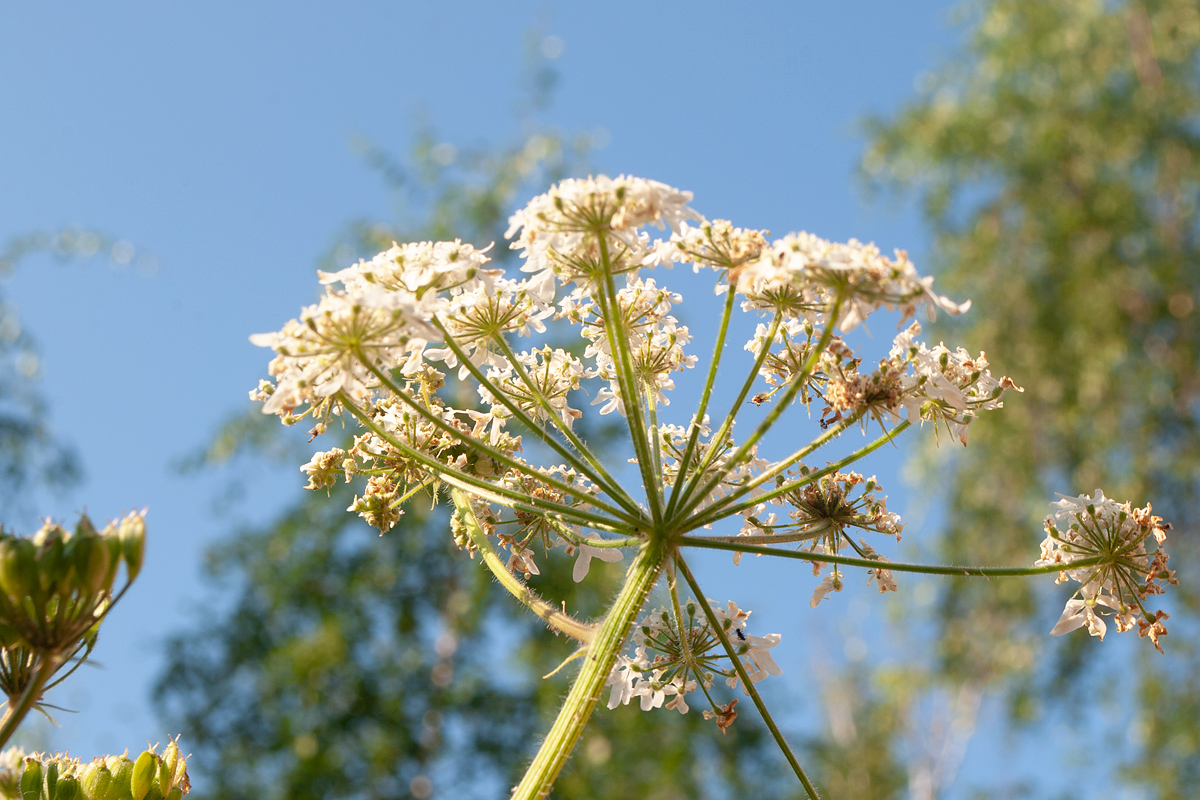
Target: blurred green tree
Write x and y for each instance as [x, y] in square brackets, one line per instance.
[1058, 163]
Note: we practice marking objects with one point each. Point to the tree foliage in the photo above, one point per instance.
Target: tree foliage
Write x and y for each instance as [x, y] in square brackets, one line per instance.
[1058, 163]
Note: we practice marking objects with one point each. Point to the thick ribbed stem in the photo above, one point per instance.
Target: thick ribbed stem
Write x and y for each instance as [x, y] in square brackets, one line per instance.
[597, 665]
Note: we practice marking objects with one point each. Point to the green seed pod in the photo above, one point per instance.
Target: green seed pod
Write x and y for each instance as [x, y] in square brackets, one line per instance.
[50, 779]
[31, 780]
[96, 781]
[162, 779]
[132, 533]
[79, 553]
[175, 766]
[145, 769]
[176, 794]
[84, 528]
[96, 575]
[67, 789]
[54, 569]
[18, 568]
[122, 772]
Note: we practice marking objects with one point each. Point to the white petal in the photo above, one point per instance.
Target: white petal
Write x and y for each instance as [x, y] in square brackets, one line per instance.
[1073, 617]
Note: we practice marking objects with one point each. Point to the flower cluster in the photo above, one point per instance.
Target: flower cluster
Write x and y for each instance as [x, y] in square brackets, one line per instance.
[43, 776]
[1101, 544]
[418, 346]
[674, 656]
[653, 342]
[57, 585]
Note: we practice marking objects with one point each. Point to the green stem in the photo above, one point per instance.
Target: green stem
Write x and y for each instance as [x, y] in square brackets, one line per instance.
[585, 692]
[698, 420]
[614, 323]
[713, 543]
[556, 618]
[14, 714]
[597, 473]
[479, 486]
[747, 684]
[492, 452]
[717, 442]
[694, 498]
[723, 508]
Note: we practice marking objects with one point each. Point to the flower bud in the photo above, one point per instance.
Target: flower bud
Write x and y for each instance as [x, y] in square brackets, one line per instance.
[50, 778]
[90, 557]
[17, 567]
[145, 769]
[132, 534]
[176, 767]
[31, 780]
[96, 781]
[122, 778]
[67, 789]
[54, 568]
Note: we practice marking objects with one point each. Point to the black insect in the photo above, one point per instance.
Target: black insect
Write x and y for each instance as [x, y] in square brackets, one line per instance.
[740, 634]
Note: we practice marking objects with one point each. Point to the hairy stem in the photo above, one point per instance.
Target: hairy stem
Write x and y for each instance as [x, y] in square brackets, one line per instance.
[16, 712]
[556, 618]
[597, 665]
[614, 323]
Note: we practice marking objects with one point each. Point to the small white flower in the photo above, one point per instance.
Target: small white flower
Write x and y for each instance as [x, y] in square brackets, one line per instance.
[587, 553]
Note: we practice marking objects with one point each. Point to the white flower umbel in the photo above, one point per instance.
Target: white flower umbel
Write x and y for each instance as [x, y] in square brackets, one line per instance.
[418, 346]
[1101, 544]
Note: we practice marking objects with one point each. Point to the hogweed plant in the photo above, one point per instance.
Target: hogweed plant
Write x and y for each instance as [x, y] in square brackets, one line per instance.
[388, 335]
[56, 588]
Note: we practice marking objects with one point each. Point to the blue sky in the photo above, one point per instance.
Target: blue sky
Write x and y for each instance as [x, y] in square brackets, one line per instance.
[218, 140]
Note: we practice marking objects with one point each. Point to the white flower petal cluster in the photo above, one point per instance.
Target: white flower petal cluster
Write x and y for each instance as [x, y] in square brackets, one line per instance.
[652, 336]
[1127, 574]
[335, 343]
[945, 386]
[544, 374]
[664, 665]
[418, 268]
[563, 232]
[475, 315]
[717, 244]
[804, 274]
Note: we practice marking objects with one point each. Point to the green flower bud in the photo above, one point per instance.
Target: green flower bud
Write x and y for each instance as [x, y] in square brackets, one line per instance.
[176, 794]
[122, 772]
[132, 533]
[145, 769]
[84, 528]
[31, 780]
[67, 789]
[96, 781]
[97, 575]
[18, 568]
[50, 778]
[174, 766]
[54, 568]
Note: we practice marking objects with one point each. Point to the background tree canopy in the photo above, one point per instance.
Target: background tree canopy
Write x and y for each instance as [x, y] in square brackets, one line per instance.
[1057, 162]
